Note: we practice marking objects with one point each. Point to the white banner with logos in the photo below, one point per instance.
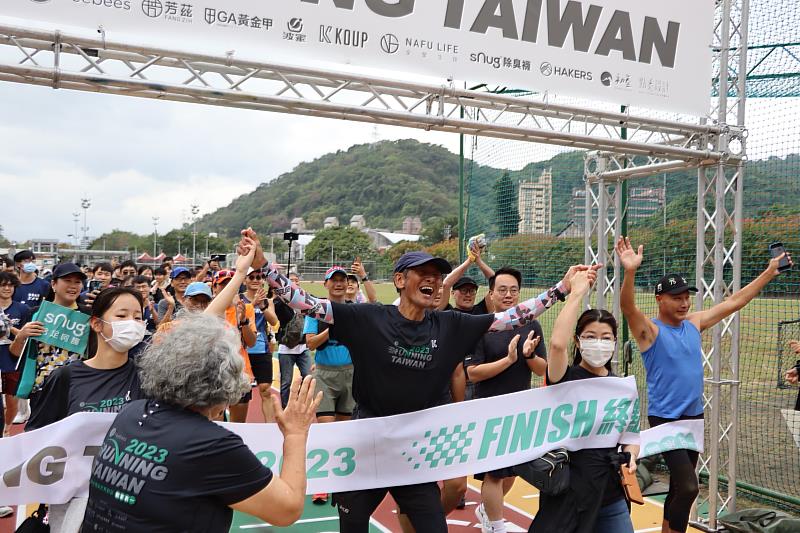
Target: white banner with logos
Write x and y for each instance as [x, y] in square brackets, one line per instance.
[53, 464]
[631, 52]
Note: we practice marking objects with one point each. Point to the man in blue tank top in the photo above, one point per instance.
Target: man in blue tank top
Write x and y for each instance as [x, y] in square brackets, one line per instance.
[671, 348]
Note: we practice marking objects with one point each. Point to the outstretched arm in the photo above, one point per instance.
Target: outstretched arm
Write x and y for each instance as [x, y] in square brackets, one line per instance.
[291, 294]
[643, 329]
[564, 328]
[224, 299]
[710, 317]
[528, 310]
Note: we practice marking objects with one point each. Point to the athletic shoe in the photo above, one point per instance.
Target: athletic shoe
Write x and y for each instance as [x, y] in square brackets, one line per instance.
[23, 413]
[483, 520]
[319, 498]
[462, 503]
[6, 511]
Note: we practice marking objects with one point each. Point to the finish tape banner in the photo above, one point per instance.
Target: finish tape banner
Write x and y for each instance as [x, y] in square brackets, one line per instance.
[629, 52]
[53, 464]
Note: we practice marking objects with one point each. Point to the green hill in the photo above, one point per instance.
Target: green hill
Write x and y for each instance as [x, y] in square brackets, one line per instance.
[390, 180]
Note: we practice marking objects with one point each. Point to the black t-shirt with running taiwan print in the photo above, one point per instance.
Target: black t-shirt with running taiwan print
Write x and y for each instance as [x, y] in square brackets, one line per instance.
[77, 388]
[167, 469]
[401, 365]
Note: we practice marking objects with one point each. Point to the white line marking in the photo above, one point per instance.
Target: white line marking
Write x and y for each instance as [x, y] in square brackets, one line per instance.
[453, 522]
[530, 496]
[379, 526]
[648, 530]
[301, 521]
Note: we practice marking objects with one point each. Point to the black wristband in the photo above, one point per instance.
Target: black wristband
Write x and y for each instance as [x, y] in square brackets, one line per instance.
[560, 296]
[531, 357]
[365, 279]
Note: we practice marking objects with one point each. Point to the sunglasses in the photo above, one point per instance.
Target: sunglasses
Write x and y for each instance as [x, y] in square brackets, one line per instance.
[255, 277]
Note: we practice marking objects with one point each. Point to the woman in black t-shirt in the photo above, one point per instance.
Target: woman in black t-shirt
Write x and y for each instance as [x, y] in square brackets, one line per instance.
[595, 502]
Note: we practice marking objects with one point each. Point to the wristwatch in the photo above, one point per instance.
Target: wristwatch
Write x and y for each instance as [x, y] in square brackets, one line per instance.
[245, 322]
[365, 278]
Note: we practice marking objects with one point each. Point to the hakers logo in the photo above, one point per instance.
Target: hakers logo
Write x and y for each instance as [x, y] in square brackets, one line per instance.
[390, 44]
[124, 5]
[547, 69]
[295, 25]
[343, 36]
[152, 8]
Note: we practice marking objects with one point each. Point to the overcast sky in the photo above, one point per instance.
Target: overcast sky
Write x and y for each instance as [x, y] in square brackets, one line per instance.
[138, 158]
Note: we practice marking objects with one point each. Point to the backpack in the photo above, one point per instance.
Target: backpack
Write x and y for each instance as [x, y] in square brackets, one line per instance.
[759, 521]
[291, 335]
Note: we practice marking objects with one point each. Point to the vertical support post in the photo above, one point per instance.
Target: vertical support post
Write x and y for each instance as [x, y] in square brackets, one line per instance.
[723, 226]
[461, 225]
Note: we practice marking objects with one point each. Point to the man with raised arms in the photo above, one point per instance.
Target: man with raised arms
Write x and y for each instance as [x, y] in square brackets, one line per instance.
[405, 362]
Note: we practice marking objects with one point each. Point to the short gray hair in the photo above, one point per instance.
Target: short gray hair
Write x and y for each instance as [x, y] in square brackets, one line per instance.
[196, 363]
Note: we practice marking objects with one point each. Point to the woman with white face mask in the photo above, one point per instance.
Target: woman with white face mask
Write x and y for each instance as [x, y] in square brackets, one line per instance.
[101, 384]
[595, 501]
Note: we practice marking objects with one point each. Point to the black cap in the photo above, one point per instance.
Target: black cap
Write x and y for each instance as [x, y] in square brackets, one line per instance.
[24, 255]
[65, 269]
[415, 259]
[673, 284]
[463, 282]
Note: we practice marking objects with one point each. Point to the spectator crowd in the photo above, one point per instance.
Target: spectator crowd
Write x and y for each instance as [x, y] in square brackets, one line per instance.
[173, 349]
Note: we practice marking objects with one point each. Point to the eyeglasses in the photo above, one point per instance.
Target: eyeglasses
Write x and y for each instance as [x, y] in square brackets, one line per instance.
[513, 291]
[468, 292]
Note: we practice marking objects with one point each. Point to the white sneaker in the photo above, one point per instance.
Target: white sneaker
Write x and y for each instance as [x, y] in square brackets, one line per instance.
[6, 511]
[483, 520]
[23, 412]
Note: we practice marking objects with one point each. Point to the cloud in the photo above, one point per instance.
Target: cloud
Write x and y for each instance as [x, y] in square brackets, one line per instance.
[139, 158]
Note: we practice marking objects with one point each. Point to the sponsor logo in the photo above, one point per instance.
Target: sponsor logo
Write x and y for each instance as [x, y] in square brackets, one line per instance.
[616, 80]
[152, 8]
[654, 86]
[606, 78]
[548, 69]
[433, 46]
[390, 44]
[498, 62]
[295, 25]
[295, 31]
[169, 10]
[343, 36]
[221, 17]
[124, 5]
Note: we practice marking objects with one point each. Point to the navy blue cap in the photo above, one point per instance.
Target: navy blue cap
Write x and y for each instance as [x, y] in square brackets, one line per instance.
[65, 269]
[673, 284]
[415, 259]
[177, 271]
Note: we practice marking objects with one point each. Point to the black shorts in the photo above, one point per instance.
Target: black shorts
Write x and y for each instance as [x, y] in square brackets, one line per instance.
[246, 398]
[261, 364]
[422, 503]
[500, 473]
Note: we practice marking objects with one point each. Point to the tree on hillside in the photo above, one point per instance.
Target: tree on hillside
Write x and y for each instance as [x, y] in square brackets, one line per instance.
[3, 240]
[340, 244]
[438, 229]
[506, 210]
[402, 247]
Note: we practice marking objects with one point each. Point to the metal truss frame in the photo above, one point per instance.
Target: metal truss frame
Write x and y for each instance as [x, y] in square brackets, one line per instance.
[100, 64]
[622, 145]
[718, 246]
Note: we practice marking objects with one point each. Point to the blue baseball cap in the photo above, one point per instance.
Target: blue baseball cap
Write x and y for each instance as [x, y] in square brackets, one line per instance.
[177, 271]
[196, 288]
[415, 259]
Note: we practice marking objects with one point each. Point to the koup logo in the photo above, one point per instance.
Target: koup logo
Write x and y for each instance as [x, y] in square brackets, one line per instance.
[446, 447]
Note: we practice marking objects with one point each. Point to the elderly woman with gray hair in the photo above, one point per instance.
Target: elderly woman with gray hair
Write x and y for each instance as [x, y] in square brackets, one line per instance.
[185, 472]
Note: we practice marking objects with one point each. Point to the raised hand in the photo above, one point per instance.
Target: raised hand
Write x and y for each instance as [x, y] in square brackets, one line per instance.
[246, 251]
[582, 281]
[775, 262]
[512, 349]
[795, 346]
[530, 345]
[358, 269]
[573, 270]
[791, 375]
[629, 258]
[301, 410]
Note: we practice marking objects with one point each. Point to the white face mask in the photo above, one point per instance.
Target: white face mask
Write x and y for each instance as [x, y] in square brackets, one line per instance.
[125, 334]
[597, 352]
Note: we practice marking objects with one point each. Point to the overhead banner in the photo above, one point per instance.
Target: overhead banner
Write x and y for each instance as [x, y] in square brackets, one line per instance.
[630, 52]
[53, 464]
